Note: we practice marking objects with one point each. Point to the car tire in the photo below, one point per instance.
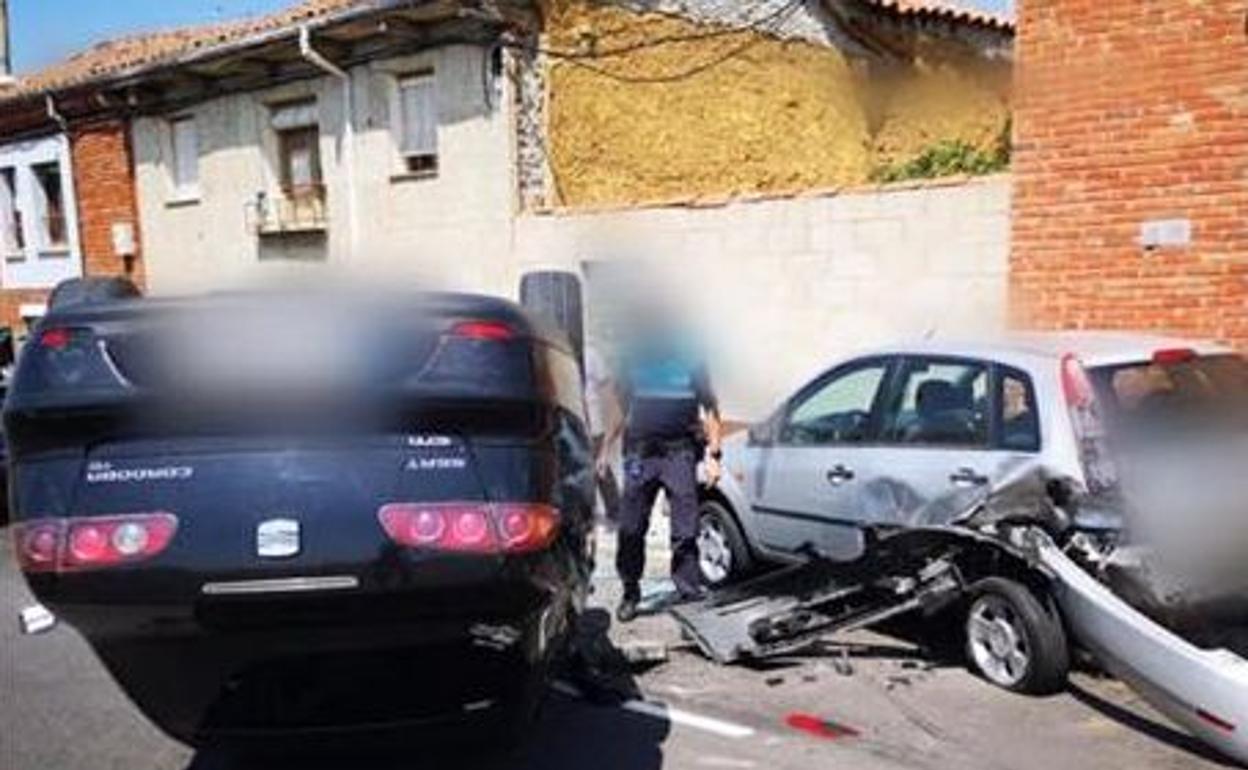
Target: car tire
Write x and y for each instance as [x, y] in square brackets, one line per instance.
[723, 556]
[556, 296]
[1013, 640]
[91, 290]
[514, 725]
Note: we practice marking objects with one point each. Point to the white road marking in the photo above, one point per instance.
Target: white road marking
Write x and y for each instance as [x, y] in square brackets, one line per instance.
[726, 762]
[670, 714]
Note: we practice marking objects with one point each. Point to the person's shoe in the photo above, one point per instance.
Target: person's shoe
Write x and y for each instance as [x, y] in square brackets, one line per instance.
[627, 611]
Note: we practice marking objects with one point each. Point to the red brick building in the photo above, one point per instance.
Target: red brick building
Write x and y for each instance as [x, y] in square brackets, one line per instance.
[1131, 166]
[95, 204]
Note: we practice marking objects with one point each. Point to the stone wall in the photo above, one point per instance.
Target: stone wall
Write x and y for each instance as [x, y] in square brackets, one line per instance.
[659, 101]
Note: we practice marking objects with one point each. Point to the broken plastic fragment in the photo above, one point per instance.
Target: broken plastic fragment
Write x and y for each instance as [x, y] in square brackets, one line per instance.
[36, 619]
[823, 728]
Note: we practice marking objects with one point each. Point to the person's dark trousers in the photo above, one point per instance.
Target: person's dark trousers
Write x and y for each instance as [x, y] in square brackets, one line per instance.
[673, 470]
[608, 487]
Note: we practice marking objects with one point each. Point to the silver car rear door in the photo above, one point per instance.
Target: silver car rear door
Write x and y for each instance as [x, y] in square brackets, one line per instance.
[949, 427]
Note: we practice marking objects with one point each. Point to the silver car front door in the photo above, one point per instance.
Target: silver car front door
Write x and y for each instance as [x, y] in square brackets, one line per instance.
[801, 493]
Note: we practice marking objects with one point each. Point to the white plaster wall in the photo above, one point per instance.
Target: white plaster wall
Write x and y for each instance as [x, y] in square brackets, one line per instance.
[782, 288]
[39, 265]
[459, 219]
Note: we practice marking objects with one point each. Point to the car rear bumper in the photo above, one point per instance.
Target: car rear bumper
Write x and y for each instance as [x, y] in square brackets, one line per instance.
[1205, 691]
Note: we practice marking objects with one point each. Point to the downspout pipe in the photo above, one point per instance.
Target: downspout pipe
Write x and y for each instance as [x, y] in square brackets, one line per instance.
[54, 115]
[316, 59]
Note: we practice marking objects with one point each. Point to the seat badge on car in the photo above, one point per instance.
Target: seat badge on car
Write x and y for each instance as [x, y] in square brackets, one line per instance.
[277, 538]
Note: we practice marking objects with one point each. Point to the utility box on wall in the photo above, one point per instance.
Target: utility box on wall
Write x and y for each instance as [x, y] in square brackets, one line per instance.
[123, 239]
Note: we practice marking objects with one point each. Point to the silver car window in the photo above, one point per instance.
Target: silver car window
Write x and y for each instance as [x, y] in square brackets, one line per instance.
[940, 403]
[838, 411]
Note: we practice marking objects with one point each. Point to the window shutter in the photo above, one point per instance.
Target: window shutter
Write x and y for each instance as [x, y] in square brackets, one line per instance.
[185, 155]
[419, 116]
[8, 210]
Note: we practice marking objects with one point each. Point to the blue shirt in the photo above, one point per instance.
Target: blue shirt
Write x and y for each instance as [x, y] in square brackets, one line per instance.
[662, 387]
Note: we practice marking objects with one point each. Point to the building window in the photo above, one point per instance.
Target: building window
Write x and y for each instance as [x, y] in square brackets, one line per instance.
[12, 242]
[185, 142]
[50, 199]
[418, 117]
[298, 149]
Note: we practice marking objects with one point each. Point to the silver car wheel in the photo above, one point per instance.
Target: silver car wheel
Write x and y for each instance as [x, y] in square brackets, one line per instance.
[998, 641]
[714, 553]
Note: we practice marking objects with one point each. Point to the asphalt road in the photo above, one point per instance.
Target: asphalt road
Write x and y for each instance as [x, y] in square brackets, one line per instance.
[59, 710]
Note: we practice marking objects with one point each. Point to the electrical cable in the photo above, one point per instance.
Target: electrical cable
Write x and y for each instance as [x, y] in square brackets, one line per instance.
[766, 24]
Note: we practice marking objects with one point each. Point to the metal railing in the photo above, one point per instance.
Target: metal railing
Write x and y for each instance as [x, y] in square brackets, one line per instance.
[298, 209]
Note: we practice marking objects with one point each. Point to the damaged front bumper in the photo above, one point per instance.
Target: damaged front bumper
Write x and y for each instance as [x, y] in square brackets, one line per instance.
[1205, 691]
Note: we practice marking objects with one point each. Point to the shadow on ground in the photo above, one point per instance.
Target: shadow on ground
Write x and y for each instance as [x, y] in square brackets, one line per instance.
[1153, 729]
[571, 734]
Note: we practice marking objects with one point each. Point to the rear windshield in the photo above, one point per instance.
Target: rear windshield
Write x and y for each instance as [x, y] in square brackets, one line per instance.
[1207, 392]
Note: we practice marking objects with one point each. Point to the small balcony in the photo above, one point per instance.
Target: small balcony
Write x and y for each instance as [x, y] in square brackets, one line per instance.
[297, 210]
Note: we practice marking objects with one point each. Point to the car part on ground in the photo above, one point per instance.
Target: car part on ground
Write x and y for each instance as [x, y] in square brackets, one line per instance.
[1204, 690]
[930, 571]
[1000, 562]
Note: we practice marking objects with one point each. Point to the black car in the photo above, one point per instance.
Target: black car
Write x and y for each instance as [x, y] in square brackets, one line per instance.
[283, 515]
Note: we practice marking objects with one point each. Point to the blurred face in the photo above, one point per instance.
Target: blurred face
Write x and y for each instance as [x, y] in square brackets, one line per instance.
[1014, 396]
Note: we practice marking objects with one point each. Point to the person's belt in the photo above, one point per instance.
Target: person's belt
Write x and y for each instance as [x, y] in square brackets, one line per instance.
[651, 447]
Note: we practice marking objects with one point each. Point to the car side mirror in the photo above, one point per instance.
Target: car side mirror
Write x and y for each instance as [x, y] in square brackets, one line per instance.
[767, 431]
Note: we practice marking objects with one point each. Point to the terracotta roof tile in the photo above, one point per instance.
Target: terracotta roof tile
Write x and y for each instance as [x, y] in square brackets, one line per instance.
[945, 9]
[116, 56]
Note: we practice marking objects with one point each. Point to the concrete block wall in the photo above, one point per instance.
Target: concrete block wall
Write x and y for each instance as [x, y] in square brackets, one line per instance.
[782, 288]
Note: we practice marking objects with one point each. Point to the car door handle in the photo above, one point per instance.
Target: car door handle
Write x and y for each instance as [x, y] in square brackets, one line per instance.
[839, 474]
[967, 477]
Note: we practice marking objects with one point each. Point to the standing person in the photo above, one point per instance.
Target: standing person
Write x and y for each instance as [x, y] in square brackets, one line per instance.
[669, 417]
[598, 387]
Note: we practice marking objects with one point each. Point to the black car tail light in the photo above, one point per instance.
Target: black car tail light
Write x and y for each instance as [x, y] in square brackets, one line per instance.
[493, 331]
[471, 527]
[483, 358]
[69, 357]
[38, 544]
[70, 545]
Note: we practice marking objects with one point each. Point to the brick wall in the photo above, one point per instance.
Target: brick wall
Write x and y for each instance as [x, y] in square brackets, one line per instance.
[1129, 111]
[104, 183]
[104, 180]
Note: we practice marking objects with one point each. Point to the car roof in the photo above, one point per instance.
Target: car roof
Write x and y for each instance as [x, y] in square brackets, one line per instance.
[1094, 348]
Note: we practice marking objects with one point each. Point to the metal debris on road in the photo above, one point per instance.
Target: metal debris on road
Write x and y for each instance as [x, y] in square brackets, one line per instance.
[644, 651]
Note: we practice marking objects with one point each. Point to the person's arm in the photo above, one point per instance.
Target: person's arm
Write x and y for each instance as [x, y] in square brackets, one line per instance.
[712, 427]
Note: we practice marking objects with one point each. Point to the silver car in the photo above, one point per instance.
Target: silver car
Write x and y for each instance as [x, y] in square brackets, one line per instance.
[909, 436]
[883, 437]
